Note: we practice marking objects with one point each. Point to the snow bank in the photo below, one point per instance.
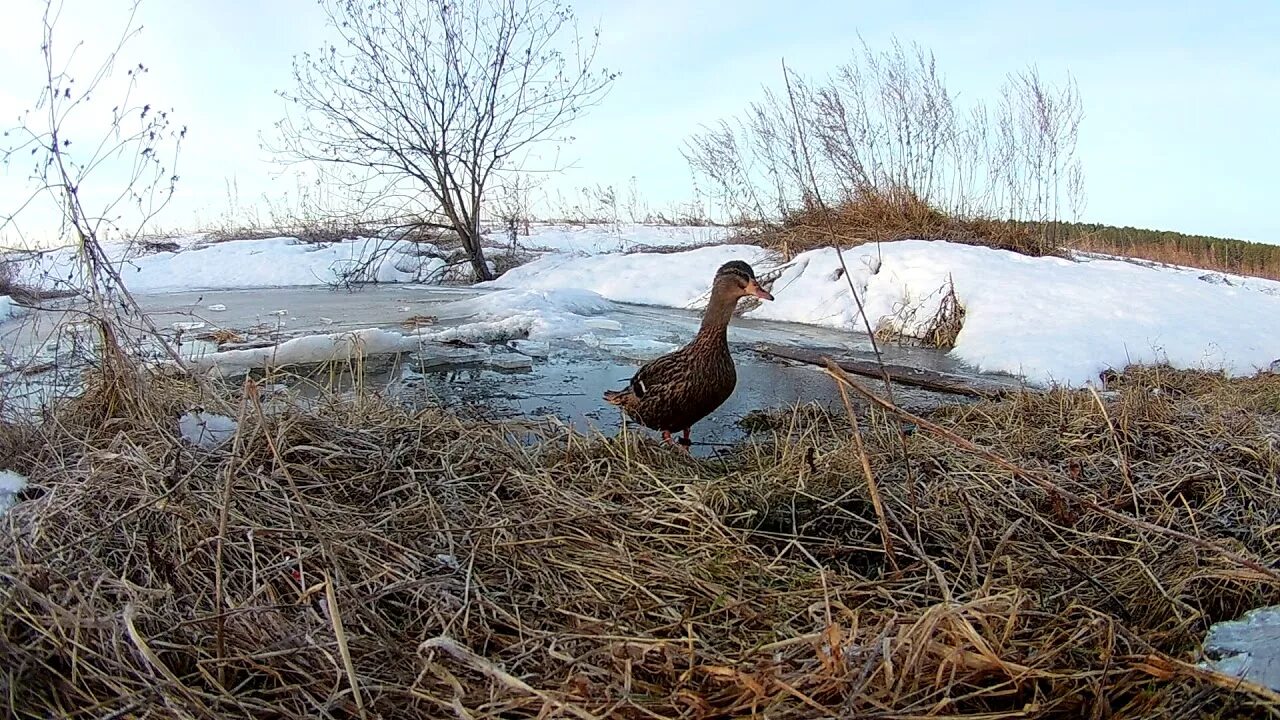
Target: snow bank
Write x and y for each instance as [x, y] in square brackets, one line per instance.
[1050, 320]
[244, 264]
[670, 280]
[199, 264]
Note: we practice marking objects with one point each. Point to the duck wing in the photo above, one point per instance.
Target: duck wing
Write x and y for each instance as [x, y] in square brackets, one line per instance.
[658, 374]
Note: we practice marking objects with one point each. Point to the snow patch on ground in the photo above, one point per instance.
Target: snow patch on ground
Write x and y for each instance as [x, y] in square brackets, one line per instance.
[1247, 648]
[1050, 320]
[199, 264]
[206, 430]
[7, 308]
[11, 483]
[670, 280]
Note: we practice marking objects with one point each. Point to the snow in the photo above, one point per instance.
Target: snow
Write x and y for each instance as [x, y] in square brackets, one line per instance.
[7, 308]
[532, 314]
[309, 349]
[671, 280]
[243, 264]
[206, 430]
[1247, 648]
[11, 483]
[276, 262]
[1050, 320]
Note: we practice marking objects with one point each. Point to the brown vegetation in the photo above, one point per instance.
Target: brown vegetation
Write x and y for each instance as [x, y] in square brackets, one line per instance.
[899, 214]
[358, 560]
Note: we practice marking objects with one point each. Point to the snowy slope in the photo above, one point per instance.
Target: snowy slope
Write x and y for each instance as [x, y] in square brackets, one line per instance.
[1051, 320]
[286, 262]
[240, 264]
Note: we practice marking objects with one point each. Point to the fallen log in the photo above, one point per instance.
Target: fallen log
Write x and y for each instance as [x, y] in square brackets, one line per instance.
[903, 374]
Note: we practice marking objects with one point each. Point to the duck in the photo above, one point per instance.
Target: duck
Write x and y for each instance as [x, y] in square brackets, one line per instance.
[672, 393]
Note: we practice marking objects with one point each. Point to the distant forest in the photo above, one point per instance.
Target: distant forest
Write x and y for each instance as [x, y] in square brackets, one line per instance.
[1210, 253]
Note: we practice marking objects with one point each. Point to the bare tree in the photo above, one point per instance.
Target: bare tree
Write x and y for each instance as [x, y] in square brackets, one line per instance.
[432, 99]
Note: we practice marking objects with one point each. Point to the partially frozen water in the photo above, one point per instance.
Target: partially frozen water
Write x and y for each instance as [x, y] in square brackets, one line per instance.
[561, 378]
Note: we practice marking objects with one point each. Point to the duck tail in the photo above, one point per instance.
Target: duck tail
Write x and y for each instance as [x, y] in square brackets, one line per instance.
[616, 397]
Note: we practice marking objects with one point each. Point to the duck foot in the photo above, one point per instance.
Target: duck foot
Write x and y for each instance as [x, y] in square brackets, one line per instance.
[683, 443]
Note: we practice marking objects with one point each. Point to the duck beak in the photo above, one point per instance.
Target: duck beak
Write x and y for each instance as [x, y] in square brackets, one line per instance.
[756, 290]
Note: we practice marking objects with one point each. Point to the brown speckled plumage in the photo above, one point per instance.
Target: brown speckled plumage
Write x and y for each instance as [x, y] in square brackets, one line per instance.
[675, 391]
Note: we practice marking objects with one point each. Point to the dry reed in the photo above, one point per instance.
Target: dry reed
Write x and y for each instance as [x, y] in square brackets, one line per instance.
[354, 559]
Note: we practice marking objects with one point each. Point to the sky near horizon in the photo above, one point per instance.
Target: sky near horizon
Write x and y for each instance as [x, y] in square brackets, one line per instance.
[1180, 98]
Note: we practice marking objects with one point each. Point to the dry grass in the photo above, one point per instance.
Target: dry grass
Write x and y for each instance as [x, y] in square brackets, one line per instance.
[356, 560]
[898, 214]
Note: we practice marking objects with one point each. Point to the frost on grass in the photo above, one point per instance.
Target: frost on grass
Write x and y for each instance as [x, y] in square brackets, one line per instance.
[206, 430]
[1247, 648]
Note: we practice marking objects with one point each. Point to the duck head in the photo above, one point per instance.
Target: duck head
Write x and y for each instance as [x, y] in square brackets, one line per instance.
[736, 279]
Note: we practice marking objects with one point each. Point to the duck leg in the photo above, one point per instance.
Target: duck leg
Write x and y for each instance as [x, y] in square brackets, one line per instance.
[683, 443]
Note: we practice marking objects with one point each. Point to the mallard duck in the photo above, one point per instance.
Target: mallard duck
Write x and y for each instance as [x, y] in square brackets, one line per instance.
[675, 391]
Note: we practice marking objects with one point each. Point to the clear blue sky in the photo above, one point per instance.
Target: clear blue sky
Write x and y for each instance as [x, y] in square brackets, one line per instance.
[1181, 98]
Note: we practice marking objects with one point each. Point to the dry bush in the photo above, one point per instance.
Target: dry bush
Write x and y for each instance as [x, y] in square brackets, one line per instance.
[355, 559]
[888, 143]
[896, 214]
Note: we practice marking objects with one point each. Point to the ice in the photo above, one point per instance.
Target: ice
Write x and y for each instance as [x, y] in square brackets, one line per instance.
[188, 326]
[310, 349]
[511, 361]
[521, 314]
[7, 308]
[206, 430]
[532, 348]
[1050, 320]
[218, 307]
[1248, 647]
[11, 483]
